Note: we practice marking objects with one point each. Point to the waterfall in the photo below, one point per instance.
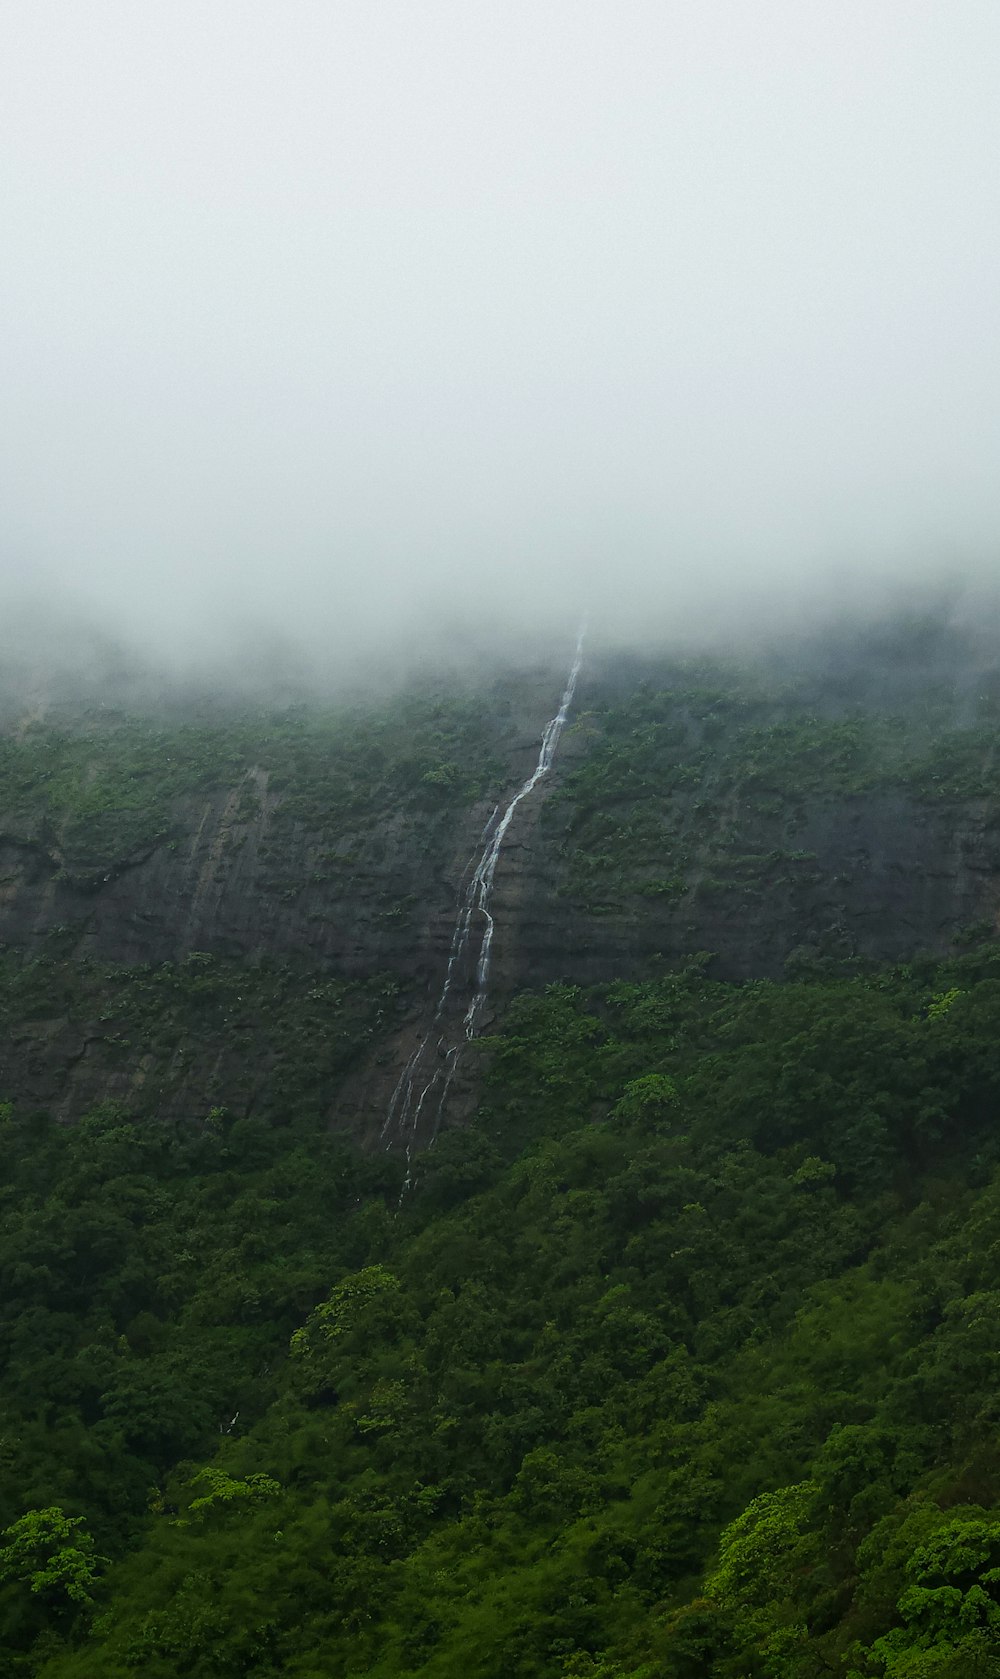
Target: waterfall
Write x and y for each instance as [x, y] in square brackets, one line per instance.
[429, 1072]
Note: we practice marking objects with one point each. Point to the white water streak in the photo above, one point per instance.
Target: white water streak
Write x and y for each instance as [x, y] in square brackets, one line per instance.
[431, 1068]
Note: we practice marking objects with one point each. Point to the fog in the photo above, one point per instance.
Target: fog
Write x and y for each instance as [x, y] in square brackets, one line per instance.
[357, 329]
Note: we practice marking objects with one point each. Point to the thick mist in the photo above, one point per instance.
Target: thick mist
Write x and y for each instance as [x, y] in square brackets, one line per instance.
[346, 332]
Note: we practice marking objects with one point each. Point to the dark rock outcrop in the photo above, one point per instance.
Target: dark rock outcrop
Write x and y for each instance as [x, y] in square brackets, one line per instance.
[883, 873]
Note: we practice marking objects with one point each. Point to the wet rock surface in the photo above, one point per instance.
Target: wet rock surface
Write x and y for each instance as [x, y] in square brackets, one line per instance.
[884, 873]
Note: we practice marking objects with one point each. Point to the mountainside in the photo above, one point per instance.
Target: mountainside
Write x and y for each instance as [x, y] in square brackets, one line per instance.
[677, 1353]
[776, 816]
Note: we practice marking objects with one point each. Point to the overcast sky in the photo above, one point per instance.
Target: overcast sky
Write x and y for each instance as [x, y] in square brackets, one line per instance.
[329, 314]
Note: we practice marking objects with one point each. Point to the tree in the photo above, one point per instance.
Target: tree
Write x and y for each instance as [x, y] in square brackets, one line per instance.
[53, 1554]
[647, 1098]
[761, 1555]
[950, 1607]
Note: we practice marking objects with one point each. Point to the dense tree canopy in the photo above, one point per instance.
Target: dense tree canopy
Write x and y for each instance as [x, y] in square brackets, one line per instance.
[682, 1359]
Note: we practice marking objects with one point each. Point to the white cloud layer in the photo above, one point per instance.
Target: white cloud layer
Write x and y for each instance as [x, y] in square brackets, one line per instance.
[343, 319]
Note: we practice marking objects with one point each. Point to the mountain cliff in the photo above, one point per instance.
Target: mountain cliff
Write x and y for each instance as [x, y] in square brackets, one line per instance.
[656, 1336]
[197, 878]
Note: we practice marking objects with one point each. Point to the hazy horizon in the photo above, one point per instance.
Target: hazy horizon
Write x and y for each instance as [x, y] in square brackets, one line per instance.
[366, 329]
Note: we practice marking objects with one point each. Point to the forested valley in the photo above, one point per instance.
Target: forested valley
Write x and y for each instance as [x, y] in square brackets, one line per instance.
[678, 1352]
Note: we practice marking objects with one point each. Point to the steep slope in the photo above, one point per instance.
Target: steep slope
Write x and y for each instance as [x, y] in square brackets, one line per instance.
[679, 1361]
[678, 1356]
[838, 801]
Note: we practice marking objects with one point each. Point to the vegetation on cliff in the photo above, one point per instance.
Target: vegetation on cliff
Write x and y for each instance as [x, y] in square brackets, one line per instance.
[681, 1359]
[708, 786]
[93, 793]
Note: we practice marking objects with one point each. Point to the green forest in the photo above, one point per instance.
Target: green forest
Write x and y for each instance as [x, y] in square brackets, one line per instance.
[680, 1359]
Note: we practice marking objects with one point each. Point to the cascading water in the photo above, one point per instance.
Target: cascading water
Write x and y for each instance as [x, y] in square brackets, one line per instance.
[429, 1072]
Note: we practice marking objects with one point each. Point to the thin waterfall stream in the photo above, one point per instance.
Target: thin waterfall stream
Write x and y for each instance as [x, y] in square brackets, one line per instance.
[426, 1079]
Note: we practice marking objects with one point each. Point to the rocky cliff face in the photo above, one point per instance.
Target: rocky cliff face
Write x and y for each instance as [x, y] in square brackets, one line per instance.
[879, 874]
[782, 816]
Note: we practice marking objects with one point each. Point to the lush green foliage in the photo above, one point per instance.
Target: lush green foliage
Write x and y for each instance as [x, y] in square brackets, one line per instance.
[277, 1036]
[93, 796]
[705, 786]
[681, 1361]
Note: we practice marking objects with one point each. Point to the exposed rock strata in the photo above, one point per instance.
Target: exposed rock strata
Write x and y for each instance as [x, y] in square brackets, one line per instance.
[884, 876]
